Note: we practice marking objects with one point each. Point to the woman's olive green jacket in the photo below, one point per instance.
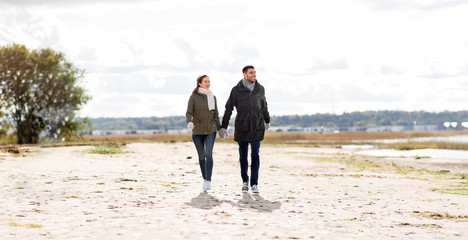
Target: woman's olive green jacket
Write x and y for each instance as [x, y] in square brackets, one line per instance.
[204, 121]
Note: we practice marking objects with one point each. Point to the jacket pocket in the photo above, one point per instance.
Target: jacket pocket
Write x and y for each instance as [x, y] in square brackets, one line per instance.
[260, 124]
[242, 126]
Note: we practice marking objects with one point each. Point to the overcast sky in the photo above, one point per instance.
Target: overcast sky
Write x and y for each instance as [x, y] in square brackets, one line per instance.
[142, 58]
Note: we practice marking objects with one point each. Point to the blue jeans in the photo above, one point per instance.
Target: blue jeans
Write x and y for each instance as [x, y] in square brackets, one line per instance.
[244, 164]
[204, 145]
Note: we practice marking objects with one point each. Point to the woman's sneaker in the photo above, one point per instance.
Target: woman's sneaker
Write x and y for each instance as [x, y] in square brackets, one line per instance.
[208, 185]
[205, 186]
[255, 189]
[245, 187]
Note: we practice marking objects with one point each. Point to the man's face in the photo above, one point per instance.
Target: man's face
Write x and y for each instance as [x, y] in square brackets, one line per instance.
[250, 75]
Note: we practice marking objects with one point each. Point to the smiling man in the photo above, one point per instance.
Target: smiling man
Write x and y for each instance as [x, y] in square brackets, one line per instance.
[253, 118]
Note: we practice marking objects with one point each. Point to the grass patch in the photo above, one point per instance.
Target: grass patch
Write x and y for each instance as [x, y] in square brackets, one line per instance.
[106, 149]
[14, 149]
[71, 196]
[454, 183]
[299, 139]
[355, 220]
[412, 145]
[289, 138]
[14, 224]
[127, 138]
[341, 175]
[461, 188]
[170, 185]
[452, 189]
[354, 162]
[125, 180]
[421, 225]
[435, 215]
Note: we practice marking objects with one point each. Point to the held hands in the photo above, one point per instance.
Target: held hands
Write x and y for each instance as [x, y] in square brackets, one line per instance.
[223, 134]
[267, 125]
[190, 125]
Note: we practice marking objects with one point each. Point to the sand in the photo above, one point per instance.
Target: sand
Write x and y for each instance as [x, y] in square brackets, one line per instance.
[153, 191]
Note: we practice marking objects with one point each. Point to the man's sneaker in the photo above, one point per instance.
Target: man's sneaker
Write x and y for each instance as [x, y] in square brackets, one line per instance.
[255, 189]
[208, 185]
[245, 187]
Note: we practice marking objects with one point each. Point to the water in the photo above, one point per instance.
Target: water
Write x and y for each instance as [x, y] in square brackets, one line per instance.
[432, 153]
[350, 146]
[458, 139]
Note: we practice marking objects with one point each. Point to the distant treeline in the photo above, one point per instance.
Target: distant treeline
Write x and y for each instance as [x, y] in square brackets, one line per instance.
[353, 119]
[372, 119]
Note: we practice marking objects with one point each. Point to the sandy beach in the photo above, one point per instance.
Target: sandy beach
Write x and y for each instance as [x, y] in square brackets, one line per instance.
[153, 191]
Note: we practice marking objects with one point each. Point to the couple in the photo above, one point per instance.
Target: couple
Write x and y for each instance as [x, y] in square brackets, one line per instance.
[248, 97]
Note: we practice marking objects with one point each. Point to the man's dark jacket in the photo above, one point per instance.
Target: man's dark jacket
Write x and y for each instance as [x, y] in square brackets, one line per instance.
[252, 112]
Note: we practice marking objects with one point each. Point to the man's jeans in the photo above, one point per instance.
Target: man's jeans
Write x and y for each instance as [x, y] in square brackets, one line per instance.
[204, 145]
[244, 164]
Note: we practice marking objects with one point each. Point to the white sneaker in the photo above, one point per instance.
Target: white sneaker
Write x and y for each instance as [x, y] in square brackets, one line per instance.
[255, 189]
[245, 187]
[205, 186]
[208, 185]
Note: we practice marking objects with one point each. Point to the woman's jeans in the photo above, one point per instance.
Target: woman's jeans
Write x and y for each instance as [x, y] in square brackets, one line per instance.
[204, 145]
[244, 164]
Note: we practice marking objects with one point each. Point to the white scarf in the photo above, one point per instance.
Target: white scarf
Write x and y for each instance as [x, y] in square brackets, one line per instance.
[210, 96]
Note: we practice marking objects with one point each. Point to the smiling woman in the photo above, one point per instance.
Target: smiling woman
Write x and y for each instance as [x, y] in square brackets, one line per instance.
[202, 119]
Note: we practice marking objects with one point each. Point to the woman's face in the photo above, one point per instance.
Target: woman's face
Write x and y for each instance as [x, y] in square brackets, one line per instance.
[205, 83]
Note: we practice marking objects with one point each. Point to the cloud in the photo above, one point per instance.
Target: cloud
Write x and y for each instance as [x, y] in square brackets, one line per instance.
[307, 59]
[437, 75]
[323, 65]
[128, 83]
[389, 70]
[23, 27]
[87, 54]
[136, 105]
[385, 4]
[244, 52]
[182, 85]
[464, 69]
[186, 48]
[359, 94]
[317, 66]
[422, 5]
[240, 55]
[438, 5]
[61, 3]
[120, 98]
[127, 69]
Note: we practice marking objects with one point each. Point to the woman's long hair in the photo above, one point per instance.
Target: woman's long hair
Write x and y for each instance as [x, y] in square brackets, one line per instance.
[199, 80]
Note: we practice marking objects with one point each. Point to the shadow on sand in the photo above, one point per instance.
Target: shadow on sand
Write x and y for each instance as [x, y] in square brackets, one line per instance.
[204, 201]
[255, 201]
